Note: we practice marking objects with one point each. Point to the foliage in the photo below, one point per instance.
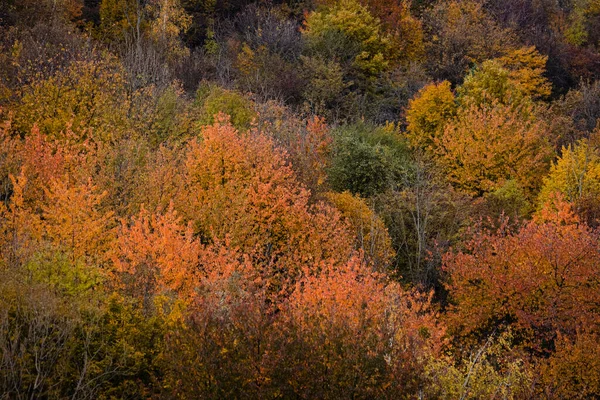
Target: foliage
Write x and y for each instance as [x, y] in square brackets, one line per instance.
[575, 175]
[572, 370]
[490, 83]
[427, 114]
[487, 372]
[511, 79]
[213, 100]
[482, 148]
[347, 32]
[299, 199]
[240, 189]
[367, 160]
[460, 35]
[88, 98]
[527, 67]
[371, 234]
[535, 280]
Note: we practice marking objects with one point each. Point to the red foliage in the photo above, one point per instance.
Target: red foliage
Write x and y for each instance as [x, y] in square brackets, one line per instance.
[543, 279]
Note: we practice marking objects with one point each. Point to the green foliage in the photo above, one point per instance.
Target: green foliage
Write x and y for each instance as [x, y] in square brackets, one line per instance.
[88, 96]
[348, 33]
[213, 100]
[54, 345]
[512, 79]
[510, 199]
[487, 84]
[60, 271]
[325, 84]
[367, 159]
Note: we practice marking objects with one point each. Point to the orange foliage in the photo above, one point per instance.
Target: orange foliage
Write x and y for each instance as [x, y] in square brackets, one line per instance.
[157, 252]
[542, 279]
[240, 187]
[312, 151]
[74, 219]
[365, 331]
[19, 227]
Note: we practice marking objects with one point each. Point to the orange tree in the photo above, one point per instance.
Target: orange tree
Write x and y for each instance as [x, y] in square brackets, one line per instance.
[542, 280]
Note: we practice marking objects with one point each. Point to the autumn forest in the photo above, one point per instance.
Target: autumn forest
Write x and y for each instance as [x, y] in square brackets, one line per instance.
[299, 199]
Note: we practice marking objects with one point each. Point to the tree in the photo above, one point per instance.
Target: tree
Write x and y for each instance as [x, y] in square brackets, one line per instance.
[74, 219]
[20, 228]
[423, 215]
[157, 253]
[483, 148]
[367, 159]
[348, 33]
[514, 78]
[238, 187]
[396, 19]
[572, 371]
[372, 237]
[541, 280]
[576, 177]
[214, 100]
[119, 19]
[87, 98]
[168, 22]
[488, 83]
[461, 34]
[360, 335]
[527, 68]
[428, 113]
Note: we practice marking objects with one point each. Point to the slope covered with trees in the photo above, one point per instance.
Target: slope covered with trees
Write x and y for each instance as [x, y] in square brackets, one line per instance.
[299, 199]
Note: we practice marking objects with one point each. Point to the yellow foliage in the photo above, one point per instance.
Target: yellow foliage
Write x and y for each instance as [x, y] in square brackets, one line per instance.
[356, 24]
[575, 175]
[483, 148]
[527, 67]
[428, 113]
[88, 96]
[371, 233]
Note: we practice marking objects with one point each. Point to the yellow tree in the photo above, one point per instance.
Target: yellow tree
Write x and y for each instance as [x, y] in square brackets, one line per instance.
[371, 233]
[484, 147]
[360, 40]
[576, 177]
[168, 20]
[527, 67]
[88, 98]
[427, 114]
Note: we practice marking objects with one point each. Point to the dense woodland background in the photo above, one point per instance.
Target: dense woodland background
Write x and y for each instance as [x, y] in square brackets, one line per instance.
[371, 199]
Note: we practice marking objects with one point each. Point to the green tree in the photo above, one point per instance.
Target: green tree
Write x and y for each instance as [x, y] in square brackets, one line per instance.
[348, 33]
[367, 159]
